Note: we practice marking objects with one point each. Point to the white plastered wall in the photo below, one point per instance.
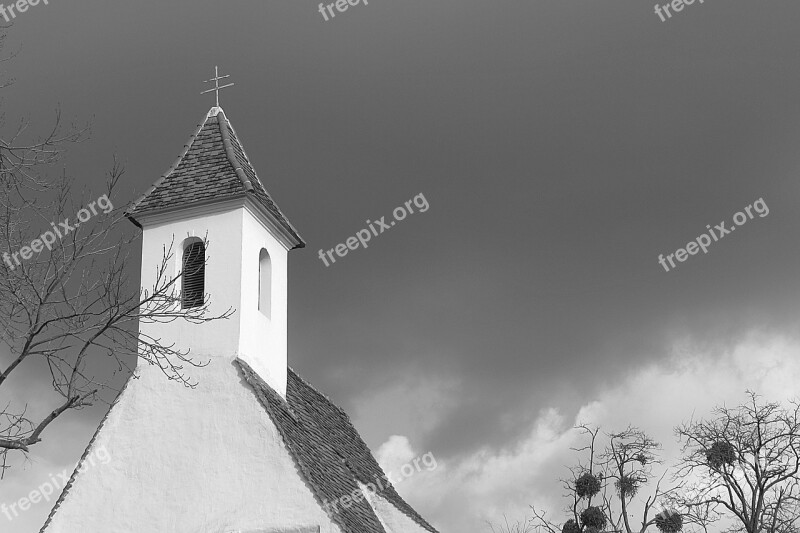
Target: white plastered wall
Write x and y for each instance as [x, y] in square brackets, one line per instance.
[263, 341]
[236, 236]
[189, 460]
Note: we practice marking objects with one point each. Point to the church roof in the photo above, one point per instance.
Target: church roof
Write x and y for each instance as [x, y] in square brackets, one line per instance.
[212, 167]
[328, 451]
[326, 448]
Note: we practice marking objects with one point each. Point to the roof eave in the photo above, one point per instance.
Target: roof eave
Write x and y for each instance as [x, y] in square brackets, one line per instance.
[284, 232]
[282, 227]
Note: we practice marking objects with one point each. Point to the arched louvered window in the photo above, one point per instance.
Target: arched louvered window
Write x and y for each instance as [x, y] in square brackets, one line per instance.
[194, 275]
[265, 283]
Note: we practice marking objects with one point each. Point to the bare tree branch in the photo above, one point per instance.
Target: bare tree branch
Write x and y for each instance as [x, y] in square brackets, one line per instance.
[66, 296]
[744, 463]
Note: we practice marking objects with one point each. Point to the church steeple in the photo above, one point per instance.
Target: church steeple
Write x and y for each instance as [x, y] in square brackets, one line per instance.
[253, 447]
[213, 192]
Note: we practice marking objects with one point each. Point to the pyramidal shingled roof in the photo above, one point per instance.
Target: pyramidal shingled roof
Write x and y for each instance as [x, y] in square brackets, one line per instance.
[212, 167]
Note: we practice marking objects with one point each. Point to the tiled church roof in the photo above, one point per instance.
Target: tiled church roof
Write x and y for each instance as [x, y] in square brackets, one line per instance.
[328, 451]
[214, 166]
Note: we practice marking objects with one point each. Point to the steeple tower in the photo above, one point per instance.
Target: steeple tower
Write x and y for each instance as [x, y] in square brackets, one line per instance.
[253, 447]
[212, 192]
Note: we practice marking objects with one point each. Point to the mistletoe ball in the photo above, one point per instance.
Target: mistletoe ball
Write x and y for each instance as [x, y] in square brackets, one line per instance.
[669, 521]
[587, 485]
[721, 453]
[571, 526]
[593, 517]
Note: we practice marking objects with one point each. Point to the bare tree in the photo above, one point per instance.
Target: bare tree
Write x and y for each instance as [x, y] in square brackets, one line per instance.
[743, 465]
[629, 460]
[76, 302]
[66, 297]
[605, 488]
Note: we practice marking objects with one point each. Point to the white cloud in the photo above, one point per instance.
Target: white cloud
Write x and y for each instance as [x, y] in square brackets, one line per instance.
[460, 496]
[394, 453]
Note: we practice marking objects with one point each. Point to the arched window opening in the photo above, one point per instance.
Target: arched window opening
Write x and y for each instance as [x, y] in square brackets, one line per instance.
[194, 275]
[265, 284]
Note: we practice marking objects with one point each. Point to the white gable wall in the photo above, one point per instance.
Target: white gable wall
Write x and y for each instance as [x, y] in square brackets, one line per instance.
[188, 461]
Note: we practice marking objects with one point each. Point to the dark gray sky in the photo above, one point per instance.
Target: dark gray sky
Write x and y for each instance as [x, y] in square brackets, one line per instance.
[562, 145]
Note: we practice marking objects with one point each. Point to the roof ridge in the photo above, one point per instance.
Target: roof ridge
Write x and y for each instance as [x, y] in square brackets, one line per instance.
[230, 151]
[226, 142]
[186, 147]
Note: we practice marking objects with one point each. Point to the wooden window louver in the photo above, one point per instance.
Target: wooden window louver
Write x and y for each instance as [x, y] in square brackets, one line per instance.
[194, 275]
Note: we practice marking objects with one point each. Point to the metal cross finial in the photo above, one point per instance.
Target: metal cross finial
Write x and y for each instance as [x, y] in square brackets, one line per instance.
[217, 86]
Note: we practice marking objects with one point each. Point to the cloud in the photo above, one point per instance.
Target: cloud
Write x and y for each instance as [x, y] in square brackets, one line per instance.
[483, 485]
[394, 453]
